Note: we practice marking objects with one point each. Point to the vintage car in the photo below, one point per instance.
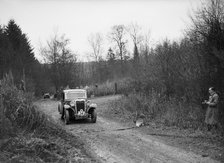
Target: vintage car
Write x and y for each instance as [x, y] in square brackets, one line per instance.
[74, 105]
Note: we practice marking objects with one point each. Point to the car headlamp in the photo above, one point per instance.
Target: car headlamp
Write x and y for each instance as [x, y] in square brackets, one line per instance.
[72, 103]
[66, 106]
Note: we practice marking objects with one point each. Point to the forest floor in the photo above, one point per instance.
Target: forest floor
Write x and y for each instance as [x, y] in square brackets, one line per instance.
[115, 138]
[201, 142]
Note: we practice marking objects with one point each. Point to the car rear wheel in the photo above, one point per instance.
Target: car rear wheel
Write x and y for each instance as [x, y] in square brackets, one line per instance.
[62, 115]
[66, 117]
[61, 111]
[93, 116]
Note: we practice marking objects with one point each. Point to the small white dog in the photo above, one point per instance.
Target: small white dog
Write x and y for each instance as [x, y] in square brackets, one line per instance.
[140, 120]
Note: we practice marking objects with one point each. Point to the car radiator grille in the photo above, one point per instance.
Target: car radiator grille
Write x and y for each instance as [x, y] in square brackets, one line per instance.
[80, 105]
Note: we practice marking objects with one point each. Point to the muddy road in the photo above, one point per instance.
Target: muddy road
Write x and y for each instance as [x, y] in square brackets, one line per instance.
[114, 142]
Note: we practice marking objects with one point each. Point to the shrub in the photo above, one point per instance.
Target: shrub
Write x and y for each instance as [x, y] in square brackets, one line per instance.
[16, 109]
[124, 86]
[170, 112]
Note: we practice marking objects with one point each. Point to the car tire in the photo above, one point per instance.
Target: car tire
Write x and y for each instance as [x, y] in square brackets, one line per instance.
[59, 108]
[93, 116]
[62, 115]
[66, 117]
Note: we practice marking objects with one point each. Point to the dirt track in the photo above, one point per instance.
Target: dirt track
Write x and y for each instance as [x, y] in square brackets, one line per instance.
[115, 142]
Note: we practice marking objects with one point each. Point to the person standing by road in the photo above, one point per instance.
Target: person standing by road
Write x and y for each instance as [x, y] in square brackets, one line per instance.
[211, 116]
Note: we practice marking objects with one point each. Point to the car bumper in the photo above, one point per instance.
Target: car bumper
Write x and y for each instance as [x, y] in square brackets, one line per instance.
[84, 116]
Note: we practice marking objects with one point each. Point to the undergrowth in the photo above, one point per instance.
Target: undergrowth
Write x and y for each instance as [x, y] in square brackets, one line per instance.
[169, 112]
[28, 135]
[16, 109]
[108, 88]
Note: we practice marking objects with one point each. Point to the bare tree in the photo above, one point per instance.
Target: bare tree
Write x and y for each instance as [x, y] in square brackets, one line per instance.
[145, 43]
[207, 32]
[118, 35]
[134, 31]
[60, 60]
[96, 42]
[208, 20]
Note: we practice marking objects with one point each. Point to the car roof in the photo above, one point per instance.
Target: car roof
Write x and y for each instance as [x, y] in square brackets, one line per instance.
[74, 90]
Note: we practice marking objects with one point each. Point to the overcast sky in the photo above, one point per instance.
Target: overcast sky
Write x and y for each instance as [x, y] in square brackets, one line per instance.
[77, 19]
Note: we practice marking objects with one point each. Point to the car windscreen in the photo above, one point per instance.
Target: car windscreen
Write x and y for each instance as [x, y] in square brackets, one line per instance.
[74, 95]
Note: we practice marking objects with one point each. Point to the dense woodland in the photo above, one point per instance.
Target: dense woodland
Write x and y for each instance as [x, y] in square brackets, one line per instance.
[182, 69]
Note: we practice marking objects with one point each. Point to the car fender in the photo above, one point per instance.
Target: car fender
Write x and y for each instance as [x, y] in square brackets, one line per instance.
[67, 106]
[60, 108]
[93, 106]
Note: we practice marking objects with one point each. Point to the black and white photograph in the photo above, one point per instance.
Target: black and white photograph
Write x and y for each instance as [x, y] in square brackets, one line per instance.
[111, 81]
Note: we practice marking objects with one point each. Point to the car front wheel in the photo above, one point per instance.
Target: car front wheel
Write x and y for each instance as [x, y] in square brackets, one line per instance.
[66, 117]
[93, 116]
